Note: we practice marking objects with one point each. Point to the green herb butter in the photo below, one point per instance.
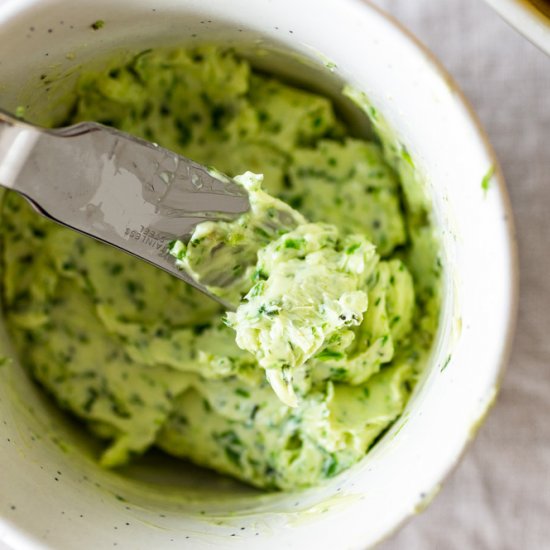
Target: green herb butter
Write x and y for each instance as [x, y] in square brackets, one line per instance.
[341, 304]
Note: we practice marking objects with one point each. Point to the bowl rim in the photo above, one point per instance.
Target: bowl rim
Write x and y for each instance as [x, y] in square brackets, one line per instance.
[513, 287]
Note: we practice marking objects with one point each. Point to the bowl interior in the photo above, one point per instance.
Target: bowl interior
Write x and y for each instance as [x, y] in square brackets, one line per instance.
[55, 493]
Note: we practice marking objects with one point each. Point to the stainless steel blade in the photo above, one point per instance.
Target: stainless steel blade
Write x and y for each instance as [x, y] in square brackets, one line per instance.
[115, 187]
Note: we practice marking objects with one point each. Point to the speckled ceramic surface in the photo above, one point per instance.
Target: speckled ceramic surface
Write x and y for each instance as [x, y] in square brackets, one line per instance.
[52, 493]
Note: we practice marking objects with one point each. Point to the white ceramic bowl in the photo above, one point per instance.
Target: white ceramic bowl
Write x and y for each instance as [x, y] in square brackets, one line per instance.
[53, 495]
[527, 19]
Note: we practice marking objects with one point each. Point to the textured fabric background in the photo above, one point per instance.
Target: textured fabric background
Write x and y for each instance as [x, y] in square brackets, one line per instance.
[499, 497]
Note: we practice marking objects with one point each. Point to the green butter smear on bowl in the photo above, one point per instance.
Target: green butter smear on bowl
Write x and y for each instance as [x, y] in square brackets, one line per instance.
[337, 282]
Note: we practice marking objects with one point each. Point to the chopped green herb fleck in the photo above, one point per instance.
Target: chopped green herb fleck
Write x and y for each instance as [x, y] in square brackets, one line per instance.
[405, 155]
[486, 180]
[446, 363]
